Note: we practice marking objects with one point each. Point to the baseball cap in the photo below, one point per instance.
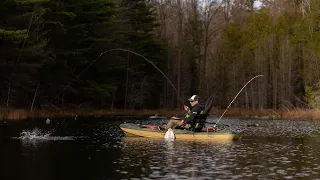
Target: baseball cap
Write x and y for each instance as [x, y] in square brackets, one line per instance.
[194, 98]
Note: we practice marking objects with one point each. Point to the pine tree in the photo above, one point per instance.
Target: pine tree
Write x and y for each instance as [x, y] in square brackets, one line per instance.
[79, 32]
[139, 25]
[22, 50]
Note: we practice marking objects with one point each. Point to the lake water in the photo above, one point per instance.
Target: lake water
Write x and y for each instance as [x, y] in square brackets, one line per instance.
[95, 149]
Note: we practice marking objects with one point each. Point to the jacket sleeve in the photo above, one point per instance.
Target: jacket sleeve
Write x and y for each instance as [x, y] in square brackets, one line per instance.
[194, 112]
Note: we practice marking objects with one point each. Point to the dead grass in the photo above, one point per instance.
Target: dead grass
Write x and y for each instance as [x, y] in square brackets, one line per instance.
[18, 114]
[9, 113]
[311, 114]
[297, 114]
[246, 113]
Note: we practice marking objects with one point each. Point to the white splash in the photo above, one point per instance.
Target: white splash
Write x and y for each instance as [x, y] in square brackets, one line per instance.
[47, 121]
[34, 134]
[170, 135]
[38, 134]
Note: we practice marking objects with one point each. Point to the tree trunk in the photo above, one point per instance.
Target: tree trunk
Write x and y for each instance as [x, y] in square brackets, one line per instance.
[127, 83]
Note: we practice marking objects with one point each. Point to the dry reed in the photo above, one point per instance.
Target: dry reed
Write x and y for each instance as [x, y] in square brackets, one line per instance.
[297, 114]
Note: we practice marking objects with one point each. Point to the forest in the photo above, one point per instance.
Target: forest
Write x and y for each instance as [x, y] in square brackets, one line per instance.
[153, 54]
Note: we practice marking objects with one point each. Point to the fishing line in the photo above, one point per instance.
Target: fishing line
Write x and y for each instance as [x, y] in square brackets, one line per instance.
[236, 97]
[126, 50]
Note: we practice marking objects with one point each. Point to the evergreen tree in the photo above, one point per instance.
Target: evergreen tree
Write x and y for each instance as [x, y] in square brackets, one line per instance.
[22, 51]
[79, 32]
[145, 80]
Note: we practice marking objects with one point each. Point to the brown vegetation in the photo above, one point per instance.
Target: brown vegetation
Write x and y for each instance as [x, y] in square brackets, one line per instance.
[18, 114]
[297, 114]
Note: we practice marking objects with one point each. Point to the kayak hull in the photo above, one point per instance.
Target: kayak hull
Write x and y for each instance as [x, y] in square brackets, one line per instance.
[133, 130]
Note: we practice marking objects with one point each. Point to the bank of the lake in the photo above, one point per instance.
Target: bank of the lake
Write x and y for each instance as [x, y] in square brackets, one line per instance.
[293, 114]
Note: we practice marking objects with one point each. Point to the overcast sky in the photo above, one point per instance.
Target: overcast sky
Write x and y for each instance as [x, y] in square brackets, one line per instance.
[257, 4]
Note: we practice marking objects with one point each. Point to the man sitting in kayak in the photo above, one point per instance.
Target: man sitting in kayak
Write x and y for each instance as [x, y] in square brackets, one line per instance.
[191, 114]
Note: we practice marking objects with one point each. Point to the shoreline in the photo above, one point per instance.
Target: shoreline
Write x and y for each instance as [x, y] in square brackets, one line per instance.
[21, 114]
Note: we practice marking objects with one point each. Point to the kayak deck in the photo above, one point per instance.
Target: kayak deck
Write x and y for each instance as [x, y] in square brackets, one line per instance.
[151, 132]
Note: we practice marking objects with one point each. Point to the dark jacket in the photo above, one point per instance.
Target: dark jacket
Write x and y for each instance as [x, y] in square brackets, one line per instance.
[193, 113]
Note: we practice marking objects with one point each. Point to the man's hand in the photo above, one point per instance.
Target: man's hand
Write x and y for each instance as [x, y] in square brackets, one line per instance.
[186, 108]
[182, 122]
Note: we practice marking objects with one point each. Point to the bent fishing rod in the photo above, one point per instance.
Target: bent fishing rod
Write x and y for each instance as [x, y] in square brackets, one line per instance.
[235, 98]
[126, 50]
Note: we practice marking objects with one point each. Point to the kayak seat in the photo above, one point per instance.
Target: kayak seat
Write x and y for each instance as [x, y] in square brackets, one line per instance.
[199, 127]
[200, 123]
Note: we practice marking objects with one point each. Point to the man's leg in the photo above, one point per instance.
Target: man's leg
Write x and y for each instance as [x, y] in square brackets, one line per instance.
[172, 122]
[187, 126]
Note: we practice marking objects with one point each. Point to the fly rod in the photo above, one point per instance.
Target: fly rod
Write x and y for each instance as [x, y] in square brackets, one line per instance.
[236, 97]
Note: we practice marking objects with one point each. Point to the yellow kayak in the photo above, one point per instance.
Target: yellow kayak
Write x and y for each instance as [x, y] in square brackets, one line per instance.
[180, 134]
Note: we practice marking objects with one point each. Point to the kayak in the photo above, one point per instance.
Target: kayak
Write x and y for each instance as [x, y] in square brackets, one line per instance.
[151, 131]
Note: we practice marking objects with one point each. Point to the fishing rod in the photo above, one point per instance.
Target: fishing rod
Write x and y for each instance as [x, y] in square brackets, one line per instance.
[236, 97]
[126, 50]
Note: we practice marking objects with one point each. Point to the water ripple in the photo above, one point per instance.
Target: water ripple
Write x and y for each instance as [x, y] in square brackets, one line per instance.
[194, 160]
[97, 149]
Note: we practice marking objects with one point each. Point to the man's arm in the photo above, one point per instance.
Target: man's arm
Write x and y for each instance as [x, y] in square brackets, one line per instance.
[193, 114]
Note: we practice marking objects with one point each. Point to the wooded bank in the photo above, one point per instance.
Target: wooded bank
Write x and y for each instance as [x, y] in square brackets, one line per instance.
[204, 47]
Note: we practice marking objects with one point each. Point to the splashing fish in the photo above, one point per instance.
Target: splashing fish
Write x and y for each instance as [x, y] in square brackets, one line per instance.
[170, 135]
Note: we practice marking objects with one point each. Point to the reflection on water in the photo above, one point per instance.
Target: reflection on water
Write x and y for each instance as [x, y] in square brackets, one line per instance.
[97, 149]
[206, 160]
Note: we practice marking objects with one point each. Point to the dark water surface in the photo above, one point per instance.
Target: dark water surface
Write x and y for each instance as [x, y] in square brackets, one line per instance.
[95, 148]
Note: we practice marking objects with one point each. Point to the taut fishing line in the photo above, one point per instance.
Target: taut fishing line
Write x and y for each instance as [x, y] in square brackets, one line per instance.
[236, 97]
[126, 50]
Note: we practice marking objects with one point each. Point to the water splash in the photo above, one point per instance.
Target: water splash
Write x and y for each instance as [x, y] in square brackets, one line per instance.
[35, 134]
[169, 136]
[38, 134]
